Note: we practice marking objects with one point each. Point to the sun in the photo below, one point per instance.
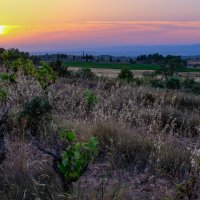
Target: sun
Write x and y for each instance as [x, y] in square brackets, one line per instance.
[2, 30]
[7, 29]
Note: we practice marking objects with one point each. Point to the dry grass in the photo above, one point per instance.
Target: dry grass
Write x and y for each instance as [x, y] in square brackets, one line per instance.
[26, 174]
[141, 131]
[133, 150]
[138, 106]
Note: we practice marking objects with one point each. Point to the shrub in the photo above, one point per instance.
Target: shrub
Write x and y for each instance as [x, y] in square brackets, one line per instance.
[37, 113]
[3, 94]
[138, 81]
[85, 73]
[77, 156]
[8, 77]
[26, 65]
[173, 83]
[157, 83]
[91, 98]
[5, 77]
[195, 88]
[126, 74]
[58, 67]
[46, 75]
[29, 68]
[188, 82]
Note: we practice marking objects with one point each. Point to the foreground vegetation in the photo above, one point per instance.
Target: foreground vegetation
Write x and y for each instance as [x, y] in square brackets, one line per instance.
[71, 135]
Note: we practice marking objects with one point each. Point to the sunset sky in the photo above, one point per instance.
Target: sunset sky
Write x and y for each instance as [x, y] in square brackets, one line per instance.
[68, 24]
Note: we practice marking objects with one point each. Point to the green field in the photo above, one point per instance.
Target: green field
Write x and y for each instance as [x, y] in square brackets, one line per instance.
[191, 70]
[112, 65]
[121, 66]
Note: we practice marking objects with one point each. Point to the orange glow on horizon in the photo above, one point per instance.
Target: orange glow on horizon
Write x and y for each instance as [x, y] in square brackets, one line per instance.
[92, 22]
[103, 31]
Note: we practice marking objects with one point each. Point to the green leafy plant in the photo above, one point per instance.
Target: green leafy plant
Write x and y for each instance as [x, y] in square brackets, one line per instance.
[77, 156]
[90, 97]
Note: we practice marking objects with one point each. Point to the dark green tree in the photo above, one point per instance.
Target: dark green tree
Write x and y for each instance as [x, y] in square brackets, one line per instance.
[126, 74]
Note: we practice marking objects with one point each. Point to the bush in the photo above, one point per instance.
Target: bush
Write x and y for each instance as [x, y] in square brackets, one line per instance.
[91, 98]
[77, 155]
[157, 83]
[5, 77]
[138, 81]
[36, 113]
[58, 67]
[11, 78]
[3, 94]
[173, 83]
[85, 73]
[195, 88]
[46, 75]
[188, 82]
[126, 74]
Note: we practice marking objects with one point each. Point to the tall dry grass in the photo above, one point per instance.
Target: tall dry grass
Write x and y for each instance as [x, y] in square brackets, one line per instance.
[141, 129]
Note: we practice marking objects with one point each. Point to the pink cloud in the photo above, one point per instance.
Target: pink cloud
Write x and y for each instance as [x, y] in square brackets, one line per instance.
[106, 33]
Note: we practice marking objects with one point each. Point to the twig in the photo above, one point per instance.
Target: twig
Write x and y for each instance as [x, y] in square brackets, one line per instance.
[39, 147]
[57, 159]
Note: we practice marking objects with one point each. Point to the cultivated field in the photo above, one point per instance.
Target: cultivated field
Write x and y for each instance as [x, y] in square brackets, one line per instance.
[121, 66]
[113, 73]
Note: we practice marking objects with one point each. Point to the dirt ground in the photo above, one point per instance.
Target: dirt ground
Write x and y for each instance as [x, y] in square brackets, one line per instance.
[113, 73]
[194, 75]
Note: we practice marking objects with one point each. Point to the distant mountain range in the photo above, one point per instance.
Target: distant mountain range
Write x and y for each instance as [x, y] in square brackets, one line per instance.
[133, 51]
